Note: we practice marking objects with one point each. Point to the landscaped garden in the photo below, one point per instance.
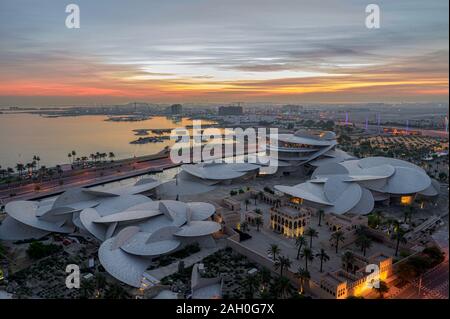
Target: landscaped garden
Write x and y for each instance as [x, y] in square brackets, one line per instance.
[237, 282]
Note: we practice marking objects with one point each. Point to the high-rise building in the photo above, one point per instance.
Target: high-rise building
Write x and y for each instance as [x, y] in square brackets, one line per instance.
[176, 109]
[230, 110]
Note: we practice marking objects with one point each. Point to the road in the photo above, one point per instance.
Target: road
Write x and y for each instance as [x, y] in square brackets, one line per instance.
[434, 285]
[84, 178]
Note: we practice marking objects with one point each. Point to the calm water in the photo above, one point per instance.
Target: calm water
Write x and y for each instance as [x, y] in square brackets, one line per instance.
[25, 135]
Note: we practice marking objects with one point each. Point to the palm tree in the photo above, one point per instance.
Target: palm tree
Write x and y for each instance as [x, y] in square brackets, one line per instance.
[244, 226]
[59, 170]
[336, 237]
[348, 259]
[111, 156]
[36, 159]
[258, 222]
[274, 250]
[116, 292]
[379, 216]
[282, 263]
[29, 166]
[266, 276]
[323, 257]
[364, 243]
[381, 288]
[100, 281]
[320, 213]
[246, 204]
[299, 243]
[255, 197]
[303, 275]
[399, 236]
[50, 173]
[42, 172]
[251, 283]
[311, 233]
[70, 157]
[308, 255]
[87, 289]
[282, 287]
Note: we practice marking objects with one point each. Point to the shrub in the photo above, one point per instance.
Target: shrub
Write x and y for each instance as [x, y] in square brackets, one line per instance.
[38, 250]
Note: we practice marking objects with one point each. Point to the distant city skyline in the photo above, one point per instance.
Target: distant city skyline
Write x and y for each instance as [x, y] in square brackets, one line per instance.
[286, 51]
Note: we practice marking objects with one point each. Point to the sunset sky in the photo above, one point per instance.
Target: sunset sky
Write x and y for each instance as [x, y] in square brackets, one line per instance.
[220, 51]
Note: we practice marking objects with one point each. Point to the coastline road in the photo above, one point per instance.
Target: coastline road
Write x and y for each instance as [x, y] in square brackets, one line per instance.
[82, 179]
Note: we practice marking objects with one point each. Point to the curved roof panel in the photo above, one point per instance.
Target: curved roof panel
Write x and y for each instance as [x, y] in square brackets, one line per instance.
[308, 191]
[380, 160]
[433, 190]
[87, 218]
[348, 199]
[128, 216]
[329, 169]
[25, 212]
[11, 229]
[122, 266]
[407, 180]
[138, 245]
[201, 211]
[365, 205]
[198, 228]
[114, 205]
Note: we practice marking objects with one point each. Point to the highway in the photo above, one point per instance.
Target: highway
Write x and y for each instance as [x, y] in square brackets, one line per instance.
[84, 178]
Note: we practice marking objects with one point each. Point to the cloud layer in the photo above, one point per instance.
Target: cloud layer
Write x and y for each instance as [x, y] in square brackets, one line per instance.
[222, 51]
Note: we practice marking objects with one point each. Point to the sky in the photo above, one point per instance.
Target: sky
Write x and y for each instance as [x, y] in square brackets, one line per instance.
[215, 51]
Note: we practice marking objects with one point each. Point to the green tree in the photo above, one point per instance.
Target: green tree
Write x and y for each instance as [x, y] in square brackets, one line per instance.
[258, 222]
[364, 243]
[244, 226]
[303, 275]
[274, 250]
[87, 288]
[323, 258]
[381, 288]
[311, 233]
[336, 238]
[348, 259]
[247, 201]
[251, 283]
[282, 287]
[300, 242]
[320, 213]
[116, 292]
[399, 236]
[308, 255]
[281, 263]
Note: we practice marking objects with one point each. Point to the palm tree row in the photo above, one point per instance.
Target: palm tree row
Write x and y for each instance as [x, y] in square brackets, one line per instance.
[34, 166]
